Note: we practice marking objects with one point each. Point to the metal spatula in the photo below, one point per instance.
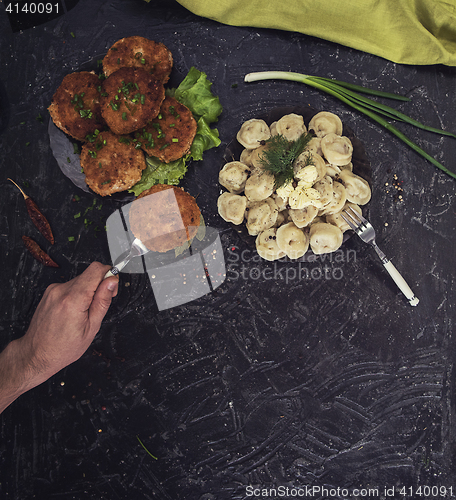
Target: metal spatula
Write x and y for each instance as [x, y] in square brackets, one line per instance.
[137, 249]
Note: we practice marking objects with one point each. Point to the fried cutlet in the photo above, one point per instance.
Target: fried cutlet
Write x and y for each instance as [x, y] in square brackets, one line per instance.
[164, 217]
[131, 98]
[111, 163]
[140, 52]
[170, 135]
[75, 106]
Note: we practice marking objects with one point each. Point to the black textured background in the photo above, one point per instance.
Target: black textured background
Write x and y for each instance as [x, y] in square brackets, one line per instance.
[290, 382]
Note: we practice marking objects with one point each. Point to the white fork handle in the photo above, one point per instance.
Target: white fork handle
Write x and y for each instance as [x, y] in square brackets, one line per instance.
[400, 282]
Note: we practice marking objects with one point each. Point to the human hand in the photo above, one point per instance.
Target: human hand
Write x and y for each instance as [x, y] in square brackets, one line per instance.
[64, 324]
[66, 321]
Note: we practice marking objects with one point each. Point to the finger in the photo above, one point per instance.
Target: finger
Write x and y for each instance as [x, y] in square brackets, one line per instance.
[84, 286]
[102, 299]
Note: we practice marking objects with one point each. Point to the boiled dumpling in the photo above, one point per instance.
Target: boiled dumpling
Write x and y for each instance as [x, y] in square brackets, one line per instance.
[302, 217]
[245, 156]
[325, 238]
[259, 186]
[325, 188]
[291, 126]
[358, 189]
[233, 176]
[256, 158]
[314, 146]
[337, 149]
[231, 207]
[261, 215]
[338, 201]
[252, 132]
[266, 245]
[325, 123]
[292, 240]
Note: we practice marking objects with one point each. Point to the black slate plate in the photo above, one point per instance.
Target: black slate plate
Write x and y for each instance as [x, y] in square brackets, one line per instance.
[361, 165]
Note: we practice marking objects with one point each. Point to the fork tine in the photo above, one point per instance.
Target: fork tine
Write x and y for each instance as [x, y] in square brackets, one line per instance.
[357, 216]
[349, 220]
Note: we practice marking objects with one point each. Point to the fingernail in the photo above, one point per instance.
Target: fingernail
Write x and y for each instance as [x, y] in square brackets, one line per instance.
[112, 285]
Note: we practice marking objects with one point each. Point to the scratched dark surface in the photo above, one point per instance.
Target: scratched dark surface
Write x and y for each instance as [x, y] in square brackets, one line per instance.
[329, 380]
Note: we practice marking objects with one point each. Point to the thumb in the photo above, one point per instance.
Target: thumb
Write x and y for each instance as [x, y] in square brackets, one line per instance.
[102, 299]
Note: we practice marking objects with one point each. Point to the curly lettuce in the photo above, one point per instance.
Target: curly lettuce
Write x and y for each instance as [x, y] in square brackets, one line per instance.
[195, 93]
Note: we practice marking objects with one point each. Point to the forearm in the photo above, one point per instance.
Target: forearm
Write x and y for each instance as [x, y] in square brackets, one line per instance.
[16, 374]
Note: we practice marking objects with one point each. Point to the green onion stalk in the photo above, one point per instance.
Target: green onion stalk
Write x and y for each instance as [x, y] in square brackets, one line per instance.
[348, 93]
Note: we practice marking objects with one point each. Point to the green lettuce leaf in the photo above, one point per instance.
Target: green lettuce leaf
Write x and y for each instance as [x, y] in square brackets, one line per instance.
[205, 138]
[195, 93]
[157, 172]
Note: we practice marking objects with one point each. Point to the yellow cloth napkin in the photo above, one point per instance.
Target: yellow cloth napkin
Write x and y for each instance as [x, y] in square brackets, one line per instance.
[403, 31]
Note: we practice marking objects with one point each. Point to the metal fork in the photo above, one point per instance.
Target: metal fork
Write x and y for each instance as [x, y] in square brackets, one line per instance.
[363, 228]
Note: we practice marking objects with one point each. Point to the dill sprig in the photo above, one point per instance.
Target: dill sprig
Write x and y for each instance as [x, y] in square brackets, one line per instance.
[280, 154]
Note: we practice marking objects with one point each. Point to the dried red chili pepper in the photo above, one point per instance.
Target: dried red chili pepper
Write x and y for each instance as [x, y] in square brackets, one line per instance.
[37, 252]
[36, 216]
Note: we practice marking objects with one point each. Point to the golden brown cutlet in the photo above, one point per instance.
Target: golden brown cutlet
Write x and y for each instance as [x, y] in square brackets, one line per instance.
[140, 52]
[164, 217]
[170, 135]
[111, 163]
[131, 97]
[75, 106]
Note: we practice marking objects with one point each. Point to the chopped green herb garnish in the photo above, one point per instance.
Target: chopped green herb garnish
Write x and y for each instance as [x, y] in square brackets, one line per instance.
[280, 154]
[147, 451]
